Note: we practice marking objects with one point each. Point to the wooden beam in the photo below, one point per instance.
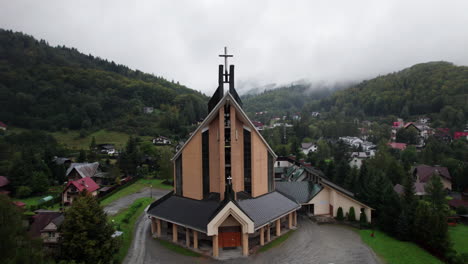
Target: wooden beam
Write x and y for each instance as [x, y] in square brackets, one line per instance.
[187, 237]
[268, 233]
[174, 233]
[262, 236]
[215, 246]
[278, 227]
[245, 244]
[295, 218]
[153, 225]
[158, 227]
[290, 220]
[195, 239]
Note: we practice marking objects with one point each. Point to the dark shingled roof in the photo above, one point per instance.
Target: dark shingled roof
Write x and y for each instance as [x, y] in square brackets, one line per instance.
[41, 220]
[425, 172]
[184, 211]
[268, 207]
[197, 214]
[302, 191]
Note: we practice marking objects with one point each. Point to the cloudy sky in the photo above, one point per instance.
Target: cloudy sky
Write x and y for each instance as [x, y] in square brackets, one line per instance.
[272, 41]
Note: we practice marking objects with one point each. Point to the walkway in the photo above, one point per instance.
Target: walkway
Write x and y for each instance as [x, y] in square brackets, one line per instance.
[311, 243]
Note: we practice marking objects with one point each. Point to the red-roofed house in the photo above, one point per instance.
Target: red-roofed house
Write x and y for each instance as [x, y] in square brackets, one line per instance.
[395, 145]
[4, 182]
[423, 174]
[19, 204]
[458, 135]
[258, 125]
[3, 126]
[74, 188]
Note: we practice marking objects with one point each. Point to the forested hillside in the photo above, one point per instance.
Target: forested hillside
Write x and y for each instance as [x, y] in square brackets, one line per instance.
[437, 89]
[290, 98]
[56, 88]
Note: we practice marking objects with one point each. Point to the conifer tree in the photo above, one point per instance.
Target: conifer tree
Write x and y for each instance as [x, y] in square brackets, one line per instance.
[87, 233]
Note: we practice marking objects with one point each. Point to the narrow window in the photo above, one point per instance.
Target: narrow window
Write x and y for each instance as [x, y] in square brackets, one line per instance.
[247, 162]
[178, 167]
[271, 179]
[206, 162]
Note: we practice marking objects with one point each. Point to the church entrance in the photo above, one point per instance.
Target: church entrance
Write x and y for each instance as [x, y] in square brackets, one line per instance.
[230, 236]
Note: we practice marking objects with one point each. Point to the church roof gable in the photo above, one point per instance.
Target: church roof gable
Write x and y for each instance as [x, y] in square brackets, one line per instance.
[212, 115]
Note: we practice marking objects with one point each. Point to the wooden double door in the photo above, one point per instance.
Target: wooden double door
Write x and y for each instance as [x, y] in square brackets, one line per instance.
[230, 236]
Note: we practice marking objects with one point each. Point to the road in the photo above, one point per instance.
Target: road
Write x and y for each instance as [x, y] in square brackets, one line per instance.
[311, 243]
[125, 202]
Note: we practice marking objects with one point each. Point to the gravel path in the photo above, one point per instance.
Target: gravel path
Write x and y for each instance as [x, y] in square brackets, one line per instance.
[125, 202]
[311, 243]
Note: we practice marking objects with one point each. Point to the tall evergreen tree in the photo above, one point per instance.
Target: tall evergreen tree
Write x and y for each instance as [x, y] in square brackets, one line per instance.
[15, 245]
[435, 193]
[87, 233]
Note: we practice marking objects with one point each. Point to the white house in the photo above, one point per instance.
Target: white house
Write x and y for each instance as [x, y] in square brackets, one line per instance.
[308, 148]
[161, 141]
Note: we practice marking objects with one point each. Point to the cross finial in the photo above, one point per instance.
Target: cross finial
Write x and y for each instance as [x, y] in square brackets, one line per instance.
[226, 56]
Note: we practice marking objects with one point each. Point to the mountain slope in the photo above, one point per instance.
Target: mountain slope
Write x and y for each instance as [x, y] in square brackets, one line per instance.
[56, 88]
[438, 89]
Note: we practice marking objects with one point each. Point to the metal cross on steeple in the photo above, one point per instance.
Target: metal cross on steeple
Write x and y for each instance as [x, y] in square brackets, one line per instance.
[226, 56]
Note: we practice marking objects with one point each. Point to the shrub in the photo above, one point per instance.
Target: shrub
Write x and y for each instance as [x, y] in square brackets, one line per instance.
[363, 218]
[339, 214]
[23, 191]
[351, 214]
[462, 210]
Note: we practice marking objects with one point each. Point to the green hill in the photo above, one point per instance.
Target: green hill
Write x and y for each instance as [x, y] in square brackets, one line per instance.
[437, 89]
[57, 88]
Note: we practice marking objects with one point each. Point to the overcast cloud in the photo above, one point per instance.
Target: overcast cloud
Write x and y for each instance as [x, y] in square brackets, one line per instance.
[272, 41]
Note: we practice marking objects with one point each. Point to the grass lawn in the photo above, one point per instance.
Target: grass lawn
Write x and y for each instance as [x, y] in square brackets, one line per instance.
[72, 139]
[178, 249]
[34, 200]
[128, 227]
[459, 237]
[393, 251]
[133, 188]
[277, 241]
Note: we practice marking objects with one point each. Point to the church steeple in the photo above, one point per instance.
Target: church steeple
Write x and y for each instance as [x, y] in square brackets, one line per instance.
[224, 76]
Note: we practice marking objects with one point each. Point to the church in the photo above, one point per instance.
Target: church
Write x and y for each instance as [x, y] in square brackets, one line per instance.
[224, 193]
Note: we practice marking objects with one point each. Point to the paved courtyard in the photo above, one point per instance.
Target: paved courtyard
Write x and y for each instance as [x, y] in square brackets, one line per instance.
[311, 243]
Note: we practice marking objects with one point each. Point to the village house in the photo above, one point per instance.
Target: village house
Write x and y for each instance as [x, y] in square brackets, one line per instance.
[443, 134]
[4, 185]
[161, 140]
[45, 225]
[258, 125]
[422, 175]
[398, 146]
[323, 198]
[357, 158]
[78, 171]
[356, 142]
[315, 114]
[108, 149]
[314, 191]
[224, 193]
[458, 135]
[148, 110]
[308, 148]
[75, 187]
[62, 161]
[3, 126]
